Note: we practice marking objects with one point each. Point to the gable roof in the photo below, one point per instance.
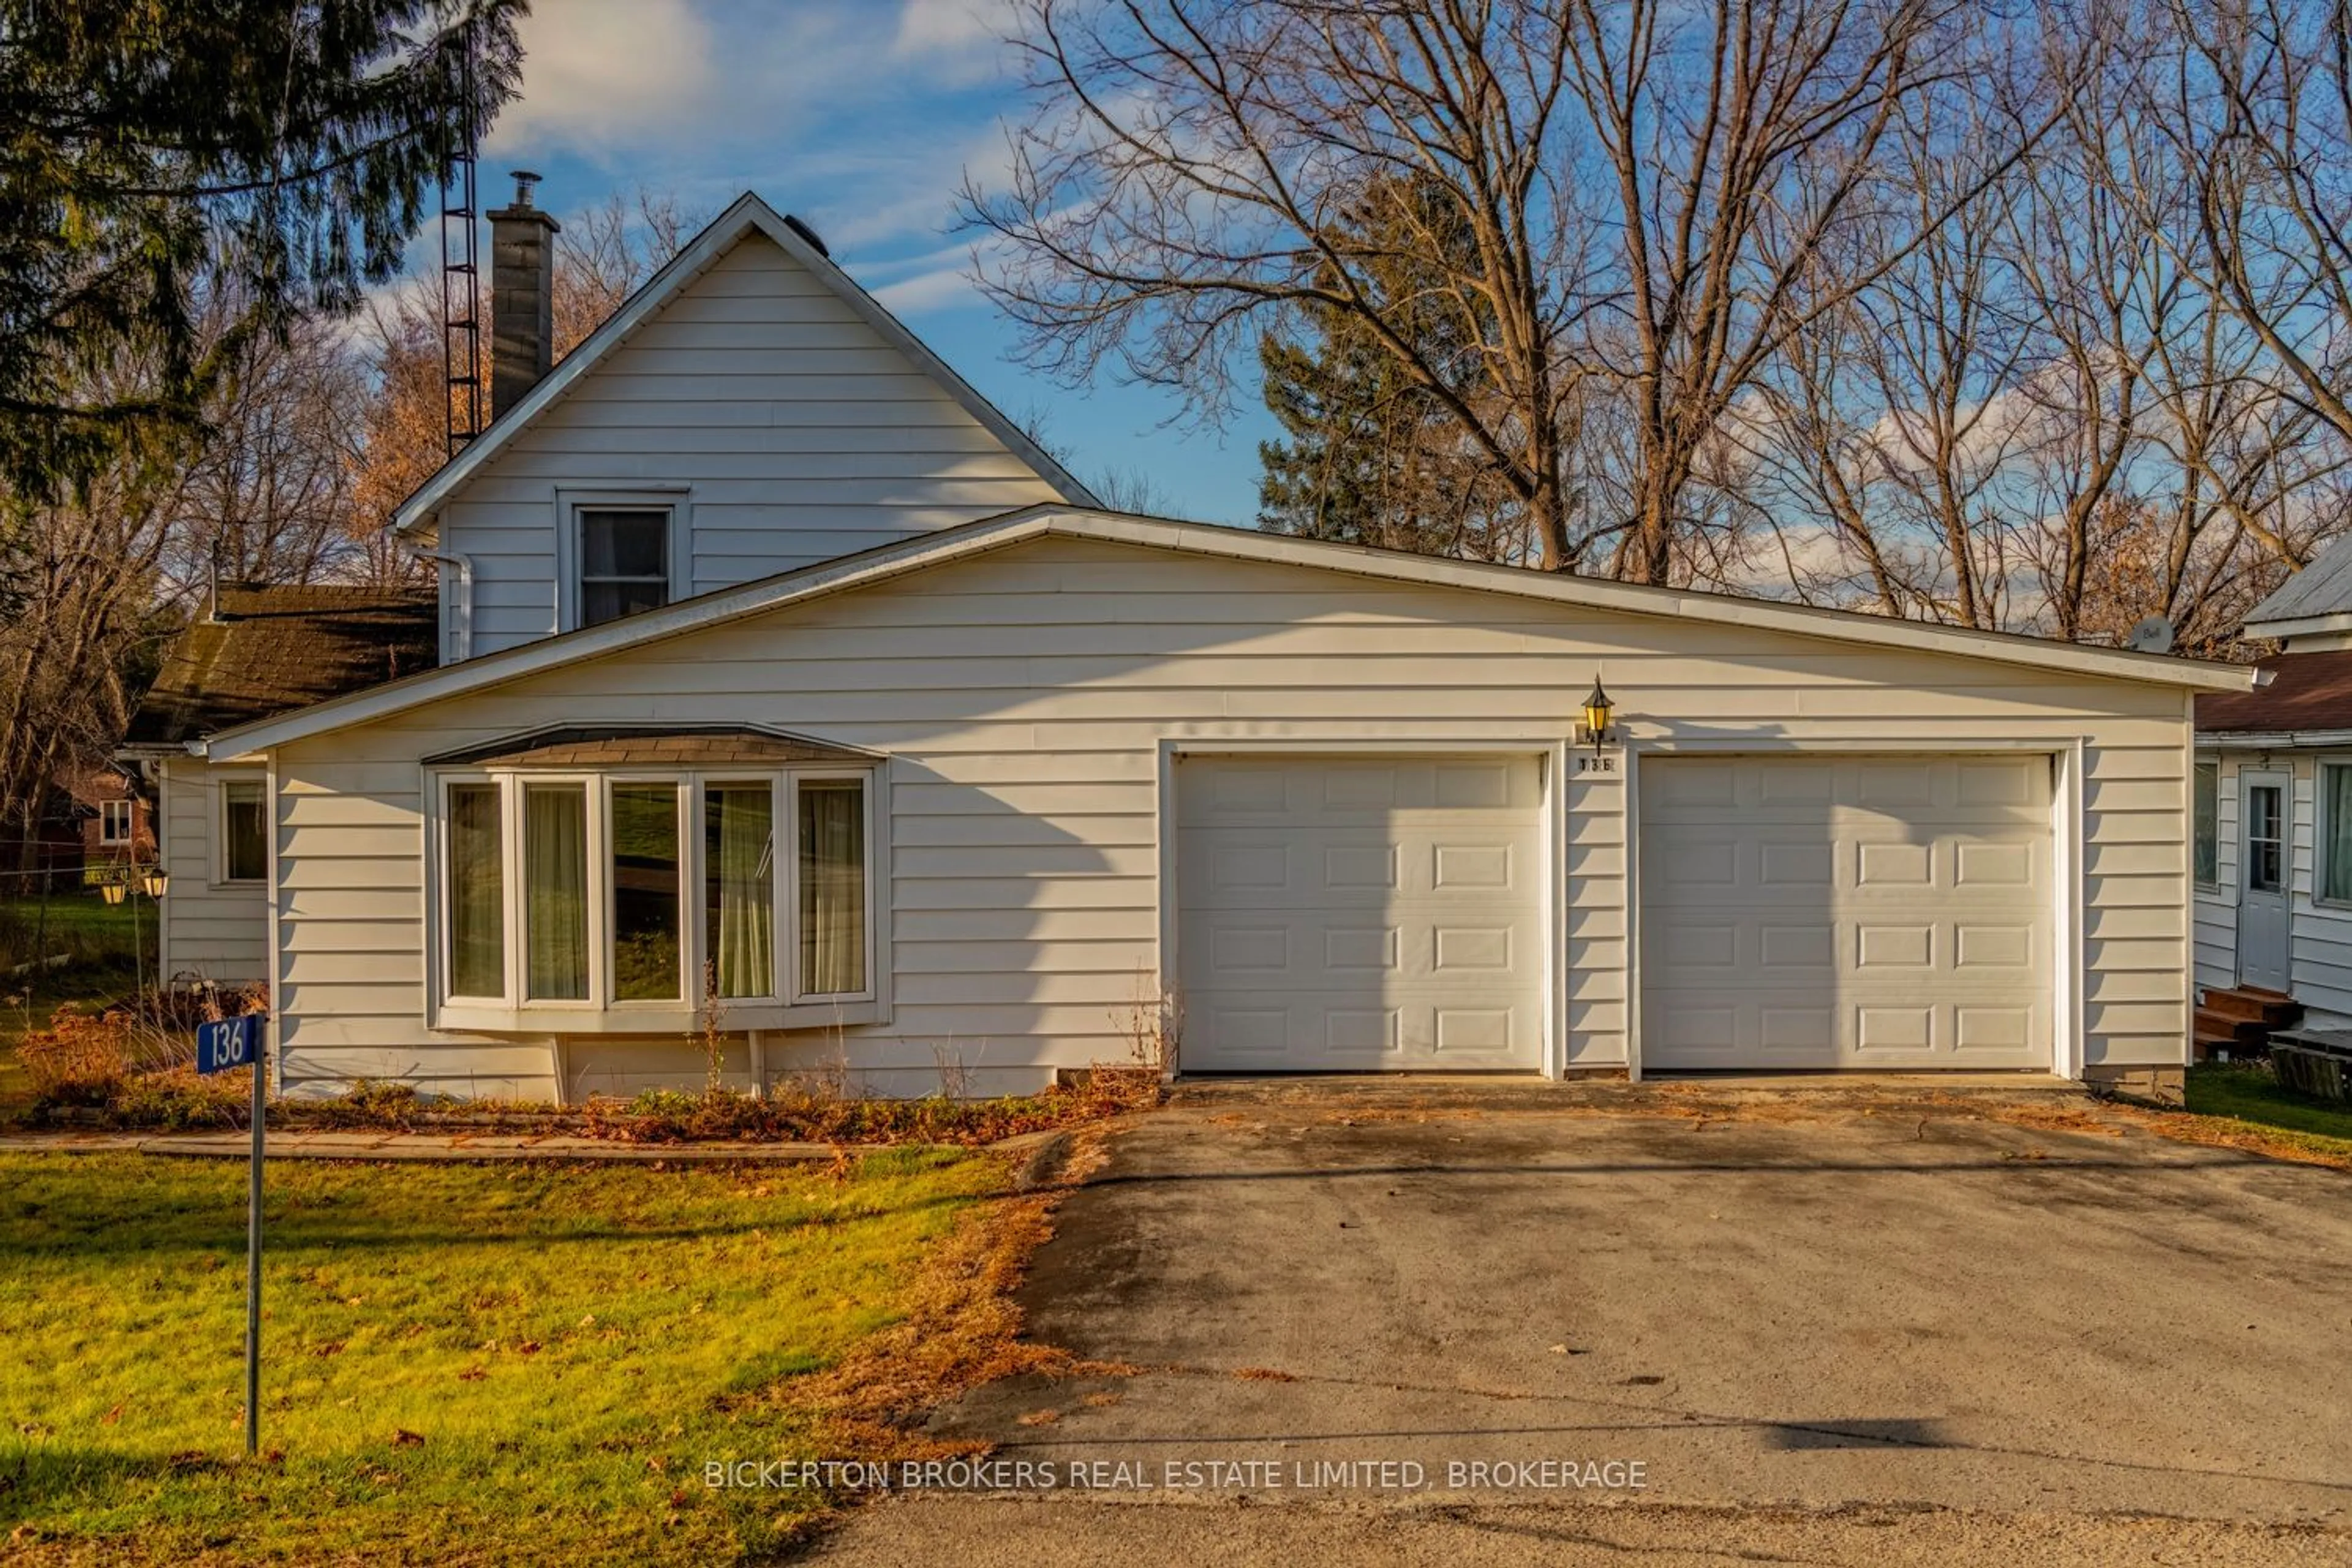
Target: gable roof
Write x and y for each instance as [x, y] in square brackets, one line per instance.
[929, 551]
[2317, 598]
[261, 651]
[747, 216]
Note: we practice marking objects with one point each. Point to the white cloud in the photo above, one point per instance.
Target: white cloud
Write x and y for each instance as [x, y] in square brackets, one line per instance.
[601, 74]
[965, 38]
[942, 287]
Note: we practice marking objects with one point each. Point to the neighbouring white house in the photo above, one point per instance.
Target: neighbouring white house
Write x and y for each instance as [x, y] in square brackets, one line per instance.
[2273, 821]
[785, 688]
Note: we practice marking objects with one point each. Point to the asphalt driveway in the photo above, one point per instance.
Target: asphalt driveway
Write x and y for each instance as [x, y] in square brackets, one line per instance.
[1344, 1306]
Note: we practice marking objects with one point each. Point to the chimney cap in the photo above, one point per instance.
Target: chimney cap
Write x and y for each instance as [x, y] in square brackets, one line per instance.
[524, 180]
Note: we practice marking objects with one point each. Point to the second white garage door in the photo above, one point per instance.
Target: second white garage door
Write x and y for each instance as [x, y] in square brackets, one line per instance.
[1361, 914]
[1845, 912]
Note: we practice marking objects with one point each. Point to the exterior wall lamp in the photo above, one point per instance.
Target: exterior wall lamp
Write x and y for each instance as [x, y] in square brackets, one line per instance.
[1597, 709]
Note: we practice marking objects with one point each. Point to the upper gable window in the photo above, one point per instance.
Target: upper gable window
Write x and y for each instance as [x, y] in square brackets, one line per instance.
[624, 561]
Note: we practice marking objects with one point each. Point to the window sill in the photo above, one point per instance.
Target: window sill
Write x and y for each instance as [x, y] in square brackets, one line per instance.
[490, 1018]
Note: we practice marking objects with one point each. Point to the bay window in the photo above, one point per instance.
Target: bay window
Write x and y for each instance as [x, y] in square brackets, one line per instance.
[555, 892]
[738, 879]
[564, 896]
[832, 886]
[644, 867]
[476, 877]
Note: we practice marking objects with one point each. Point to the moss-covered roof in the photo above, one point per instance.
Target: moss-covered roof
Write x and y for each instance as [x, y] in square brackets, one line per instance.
[263, 649]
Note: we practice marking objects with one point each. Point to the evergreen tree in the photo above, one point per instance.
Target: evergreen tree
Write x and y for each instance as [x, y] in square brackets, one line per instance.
[160, 153]
[1369, 453]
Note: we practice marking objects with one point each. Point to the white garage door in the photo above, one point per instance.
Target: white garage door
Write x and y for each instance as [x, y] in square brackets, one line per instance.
[1845, 912]
[1359, 914]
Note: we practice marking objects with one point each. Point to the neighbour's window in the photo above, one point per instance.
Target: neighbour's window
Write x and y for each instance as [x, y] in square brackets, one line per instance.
[2265, 838]
[623, 562]
[599, 887]
[2205, 825]
[2336, 820]
[114, 822]
[245, 831]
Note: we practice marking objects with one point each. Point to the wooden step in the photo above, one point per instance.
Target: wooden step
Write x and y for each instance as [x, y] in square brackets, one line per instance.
[2226, 1025]
[2207, 1046]
[2273, 1009]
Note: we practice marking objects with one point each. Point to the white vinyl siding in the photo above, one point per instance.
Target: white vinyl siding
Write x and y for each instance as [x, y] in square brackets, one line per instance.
[1023, 698]
[802, 432]
[2320, 935]
[210, 930]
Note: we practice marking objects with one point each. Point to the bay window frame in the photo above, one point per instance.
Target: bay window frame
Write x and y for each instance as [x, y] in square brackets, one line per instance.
[790, 887]
[603, 1011]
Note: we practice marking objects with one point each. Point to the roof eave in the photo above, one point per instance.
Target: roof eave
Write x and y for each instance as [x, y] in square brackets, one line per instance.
[879, 566]
[2300, 625]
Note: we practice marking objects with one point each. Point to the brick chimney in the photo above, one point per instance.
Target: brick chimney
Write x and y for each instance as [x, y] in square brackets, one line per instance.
[522, 297]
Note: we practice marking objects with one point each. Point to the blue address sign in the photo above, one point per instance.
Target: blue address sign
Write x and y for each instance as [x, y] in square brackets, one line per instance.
[230, 1042]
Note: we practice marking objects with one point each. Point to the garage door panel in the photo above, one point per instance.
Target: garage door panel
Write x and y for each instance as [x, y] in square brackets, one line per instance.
[1805, 912]
[1356, 914]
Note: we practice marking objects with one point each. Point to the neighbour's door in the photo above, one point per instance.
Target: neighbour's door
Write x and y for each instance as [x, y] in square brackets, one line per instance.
[2264, 802]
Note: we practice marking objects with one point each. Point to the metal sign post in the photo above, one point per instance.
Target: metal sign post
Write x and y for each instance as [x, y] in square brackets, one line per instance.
[234, 1043]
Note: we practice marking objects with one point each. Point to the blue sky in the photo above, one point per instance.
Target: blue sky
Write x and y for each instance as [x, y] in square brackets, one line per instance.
[861, 119]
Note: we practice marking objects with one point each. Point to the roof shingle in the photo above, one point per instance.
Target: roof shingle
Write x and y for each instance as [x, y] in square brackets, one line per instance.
[266, 650]
[2307, 691]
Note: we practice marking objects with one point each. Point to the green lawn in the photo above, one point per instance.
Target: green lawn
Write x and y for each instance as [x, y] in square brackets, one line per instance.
[2250, 1094]
[81, 924]
[463, 1363]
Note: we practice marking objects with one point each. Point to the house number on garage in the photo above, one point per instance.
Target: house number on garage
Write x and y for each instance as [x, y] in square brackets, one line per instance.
[1596, 764]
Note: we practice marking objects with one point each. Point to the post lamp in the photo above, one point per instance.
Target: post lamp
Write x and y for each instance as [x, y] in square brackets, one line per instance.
[1597, 709]
[132, 879]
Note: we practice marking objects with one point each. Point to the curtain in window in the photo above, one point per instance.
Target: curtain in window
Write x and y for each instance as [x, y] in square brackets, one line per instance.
[832, 886]
[2336, 786]
[477, 957]
[740, 895]
[555, 890]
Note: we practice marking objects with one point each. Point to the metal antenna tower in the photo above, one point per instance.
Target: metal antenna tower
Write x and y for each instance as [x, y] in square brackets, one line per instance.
[461, 295]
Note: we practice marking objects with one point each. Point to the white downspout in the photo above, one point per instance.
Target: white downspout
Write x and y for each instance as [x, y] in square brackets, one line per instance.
[461, 610]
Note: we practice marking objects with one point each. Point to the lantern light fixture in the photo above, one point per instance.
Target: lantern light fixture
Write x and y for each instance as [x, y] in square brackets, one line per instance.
[1597, 710]
[156, 881]
[112, 891]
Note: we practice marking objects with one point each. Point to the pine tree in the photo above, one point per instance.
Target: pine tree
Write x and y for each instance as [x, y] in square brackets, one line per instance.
[1369, 455]
[159, 156]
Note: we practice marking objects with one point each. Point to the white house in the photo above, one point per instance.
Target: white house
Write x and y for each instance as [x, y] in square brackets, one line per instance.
[786, 689]
[2273, 821]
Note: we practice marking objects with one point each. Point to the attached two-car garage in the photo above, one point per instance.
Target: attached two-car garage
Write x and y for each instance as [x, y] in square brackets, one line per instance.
[1341, 913]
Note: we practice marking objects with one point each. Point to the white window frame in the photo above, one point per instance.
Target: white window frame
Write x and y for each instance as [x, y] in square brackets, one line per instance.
[791, 924]
[221, 788]
[2322, 830]
[107, 811]
[602, 1012]
[2196, 766]
[571, 501]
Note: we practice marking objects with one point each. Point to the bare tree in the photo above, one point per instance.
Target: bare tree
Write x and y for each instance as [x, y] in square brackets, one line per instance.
[2257, 101]
[1195, 171]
